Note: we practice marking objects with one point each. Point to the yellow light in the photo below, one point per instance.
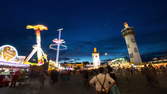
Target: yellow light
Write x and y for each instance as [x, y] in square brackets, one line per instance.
[95, 50]
[126, 25]
[37, 27]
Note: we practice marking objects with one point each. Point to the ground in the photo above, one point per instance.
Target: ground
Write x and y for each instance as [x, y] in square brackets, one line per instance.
[133, 85]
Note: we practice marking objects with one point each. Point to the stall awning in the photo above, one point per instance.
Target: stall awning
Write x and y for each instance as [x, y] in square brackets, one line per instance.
[13, 64]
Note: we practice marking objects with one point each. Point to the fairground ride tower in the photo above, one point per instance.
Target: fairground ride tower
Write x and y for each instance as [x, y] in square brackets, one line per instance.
[96, 58]
[41, 56]
[129, 36]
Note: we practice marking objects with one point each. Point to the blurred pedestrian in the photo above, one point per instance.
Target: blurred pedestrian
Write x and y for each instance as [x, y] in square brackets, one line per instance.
[41, 79]
[15, 78]
[103, 82]
[54, 76]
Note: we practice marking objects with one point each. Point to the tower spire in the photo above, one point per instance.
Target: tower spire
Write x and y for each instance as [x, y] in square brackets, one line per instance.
[96, 58]
[95, 50]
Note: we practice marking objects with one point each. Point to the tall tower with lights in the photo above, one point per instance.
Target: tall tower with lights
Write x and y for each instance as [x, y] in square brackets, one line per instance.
[129, 35]
[96, 58]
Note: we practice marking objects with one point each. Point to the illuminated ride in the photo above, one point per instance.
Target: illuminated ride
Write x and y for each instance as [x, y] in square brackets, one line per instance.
[58, 45]
[9, 57]
[41, 56]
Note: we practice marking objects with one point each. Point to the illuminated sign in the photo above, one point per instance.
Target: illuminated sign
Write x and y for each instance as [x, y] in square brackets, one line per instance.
[3, 63]
[8, 52]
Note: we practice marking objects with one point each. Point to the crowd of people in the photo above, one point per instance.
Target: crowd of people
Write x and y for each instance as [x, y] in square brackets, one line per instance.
[13, 78]
[105, 80]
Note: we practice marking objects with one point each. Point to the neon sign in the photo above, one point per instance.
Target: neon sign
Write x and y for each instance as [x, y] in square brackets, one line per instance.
[8, 52]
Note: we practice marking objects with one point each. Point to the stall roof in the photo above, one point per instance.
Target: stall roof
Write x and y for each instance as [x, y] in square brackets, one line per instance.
[13, 64]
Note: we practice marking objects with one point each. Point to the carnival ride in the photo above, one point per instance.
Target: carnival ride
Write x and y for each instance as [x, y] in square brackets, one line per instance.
[9, 53]
[59, 44]
[41, 56]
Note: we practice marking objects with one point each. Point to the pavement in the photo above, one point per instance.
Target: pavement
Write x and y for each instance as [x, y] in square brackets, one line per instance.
[133, 85]
[73, 86]
[139, 85]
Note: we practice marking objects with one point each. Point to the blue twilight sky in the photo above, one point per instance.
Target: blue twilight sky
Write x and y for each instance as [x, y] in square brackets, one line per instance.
[87, 24]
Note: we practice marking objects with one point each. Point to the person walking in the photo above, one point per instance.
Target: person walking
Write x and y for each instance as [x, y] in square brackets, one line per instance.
[54, 76]
[15, 78]
[42, 79]
[103, 82]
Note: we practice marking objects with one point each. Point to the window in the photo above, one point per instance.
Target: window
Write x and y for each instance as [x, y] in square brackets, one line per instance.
[133, 40]
[128, 45]
[135, 50]
[131, 55]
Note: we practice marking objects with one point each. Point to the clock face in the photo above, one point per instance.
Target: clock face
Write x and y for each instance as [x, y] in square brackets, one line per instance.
[96, 56]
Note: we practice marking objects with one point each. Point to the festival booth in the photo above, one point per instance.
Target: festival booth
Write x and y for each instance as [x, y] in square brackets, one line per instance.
[10, 61]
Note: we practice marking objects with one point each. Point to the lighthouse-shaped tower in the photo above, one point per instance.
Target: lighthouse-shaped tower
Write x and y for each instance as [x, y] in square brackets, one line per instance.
[129, 35]
[96, 58]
